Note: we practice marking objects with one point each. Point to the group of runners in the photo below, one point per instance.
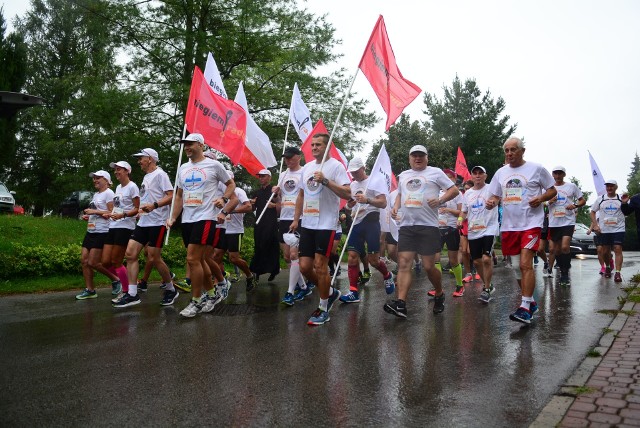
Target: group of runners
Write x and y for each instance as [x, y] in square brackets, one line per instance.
[427, 210]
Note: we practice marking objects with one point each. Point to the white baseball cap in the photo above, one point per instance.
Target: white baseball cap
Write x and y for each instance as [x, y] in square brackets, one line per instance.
[264, 172]
[121, 164]
[418, 148]
[148, 152]
[101, 173]
[559, 168]
[355, 164]
[614, 182]
[198, 138]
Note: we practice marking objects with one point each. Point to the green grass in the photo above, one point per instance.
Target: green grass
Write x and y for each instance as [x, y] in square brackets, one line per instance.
[29, 230]
[593, 353]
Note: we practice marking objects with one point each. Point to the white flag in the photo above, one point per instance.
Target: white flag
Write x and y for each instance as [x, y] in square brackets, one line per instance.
[380, 177]
[212, 76]
[257, 142]
[299, 115]
[598, 179]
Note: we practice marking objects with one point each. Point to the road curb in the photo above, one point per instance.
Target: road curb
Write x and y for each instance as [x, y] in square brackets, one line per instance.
[555, 410]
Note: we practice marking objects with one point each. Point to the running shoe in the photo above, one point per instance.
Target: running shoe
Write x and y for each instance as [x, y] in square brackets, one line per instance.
[183, 285]
[118, 297]
[438, 304]
[564, 280]
[319, 317]
[535, 260]
[334, 296]
[300, 295]
[431, 293]
[288, 299]
[602, 270]
[533, 308]
[209, 302]
[485, 296]
[476, 277]
[252, 283]
[193, 308]
[234, 277]
[169, 297]
[142, 285]
[173, 276]
[467, 278]
[366, 276]
[459, 291]
[127, 300]
[548, 273]
[350, 297]
[617, 277]
[607, 272]
[389, 284]
[521, 315]
[396, 307]
[116, 287]
[87, 294]
[223, 289]
[546, 266]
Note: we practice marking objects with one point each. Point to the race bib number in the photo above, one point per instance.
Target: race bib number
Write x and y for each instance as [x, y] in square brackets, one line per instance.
[311, 208]
[117, 211]
[477, 225]
[610, 221]
[289, 201]
[414, 200]
[193, 199]
[91, 225]
[512, 196]
[559, 212]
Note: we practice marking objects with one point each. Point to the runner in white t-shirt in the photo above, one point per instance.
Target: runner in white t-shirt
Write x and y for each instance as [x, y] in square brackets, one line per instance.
[610, 226]
[416, 210]
[97, 218]
[562, 220]
[125, 207]
[318, 206]
[199, 202]
[482, 228]
[523, 187]
[156, 192]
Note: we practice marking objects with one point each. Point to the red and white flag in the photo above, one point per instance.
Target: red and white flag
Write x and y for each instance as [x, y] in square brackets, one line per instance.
[299, 115]
[222, 122]
[333, 151]
[212, 76]
[461, 166]
[258, 153]
[379, 65]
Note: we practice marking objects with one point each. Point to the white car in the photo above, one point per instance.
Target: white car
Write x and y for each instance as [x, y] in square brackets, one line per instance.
[7, 201]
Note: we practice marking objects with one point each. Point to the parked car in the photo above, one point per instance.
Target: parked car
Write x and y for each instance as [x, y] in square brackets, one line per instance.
[75, 204]
[581, 243]
[7, 201]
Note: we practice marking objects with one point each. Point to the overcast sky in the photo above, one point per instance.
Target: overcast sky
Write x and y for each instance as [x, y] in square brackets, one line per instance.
[569, 71]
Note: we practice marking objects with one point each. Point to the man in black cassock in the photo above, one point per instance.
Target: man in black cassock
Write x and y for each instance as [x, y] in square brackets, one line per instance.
[266, 256]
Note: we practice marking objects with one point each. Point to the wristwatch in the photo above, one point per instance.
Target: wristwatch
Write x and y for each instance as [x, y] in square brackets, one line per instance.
[325, 181]
[225, 199]
[224, 212]
[155, 205]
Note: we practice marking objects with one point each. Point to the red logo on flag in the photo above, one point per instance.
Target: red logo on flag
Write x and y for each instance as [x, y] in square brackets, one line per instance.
[222, 122]
[461, 166]
[379, 65]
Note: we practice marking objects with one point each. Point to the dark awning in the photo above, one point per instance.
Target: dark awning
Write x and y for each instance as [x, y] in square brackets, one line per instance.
[11, 102]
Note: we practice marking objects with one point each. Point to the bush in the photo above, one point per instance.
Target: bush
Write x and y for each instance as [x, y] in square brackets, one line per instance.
[40, 260]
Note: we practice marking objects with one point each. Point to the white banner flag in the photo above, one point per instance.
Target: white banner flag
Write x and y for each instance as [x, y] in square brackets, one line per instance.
[256, 141]
[212, 76]
[299, 115]
[380, 177]
[598, 179]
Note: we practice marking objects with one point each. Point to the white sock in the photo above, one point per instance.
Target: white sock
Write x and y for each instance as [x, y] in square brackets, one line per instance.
[294, 274]
[133, 290]
[169, 286]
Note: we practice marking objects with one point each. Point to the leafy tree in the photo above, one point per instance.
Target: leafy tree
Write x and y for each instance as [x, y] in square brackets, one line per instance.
[13, 56]
[83, 125]
[471, 120]
[583, 215]
[632, 240]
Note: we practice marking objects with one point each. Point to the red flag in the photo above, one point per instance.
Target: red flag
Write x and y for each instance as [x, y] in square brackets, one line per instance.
[461, 166]
[306, 146]
[222, 122]
[379, 65]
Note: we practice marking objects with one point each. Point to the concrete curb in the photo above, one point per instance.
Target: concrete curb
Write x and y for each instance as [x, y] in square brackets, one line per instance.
[554, 411]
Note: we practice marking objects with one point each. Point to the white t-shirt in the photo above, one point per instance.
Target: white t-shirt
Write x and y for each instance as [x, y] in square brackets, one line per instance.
[482, 222]
[516, 187]
[320, 209]
[559, 216]
[290, 184]
[608, 213]
[415, 189]
[154, 187]
[123, 203]
[97, 223]
[358, 187]
[447, 219]
[199, 183]
[235, 222]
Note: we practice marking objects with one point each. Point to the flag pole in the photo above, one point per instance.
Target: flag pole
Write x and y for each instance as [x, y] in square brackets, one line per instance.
[175, 183]
[284, 147]
[335, 125]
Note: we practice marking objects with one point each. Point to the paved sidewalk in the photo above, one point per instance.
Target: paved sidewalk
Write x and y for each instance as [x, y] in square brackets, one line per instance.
[604, 391]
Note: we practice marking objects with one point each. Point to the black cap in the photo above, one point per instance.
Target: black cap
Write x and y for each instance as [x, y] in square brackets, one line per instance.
[291, 151]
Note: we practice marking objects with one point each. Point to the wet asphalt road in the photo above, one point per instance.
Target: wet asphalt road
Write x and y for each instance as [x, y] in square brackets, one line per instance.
[255, 363]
